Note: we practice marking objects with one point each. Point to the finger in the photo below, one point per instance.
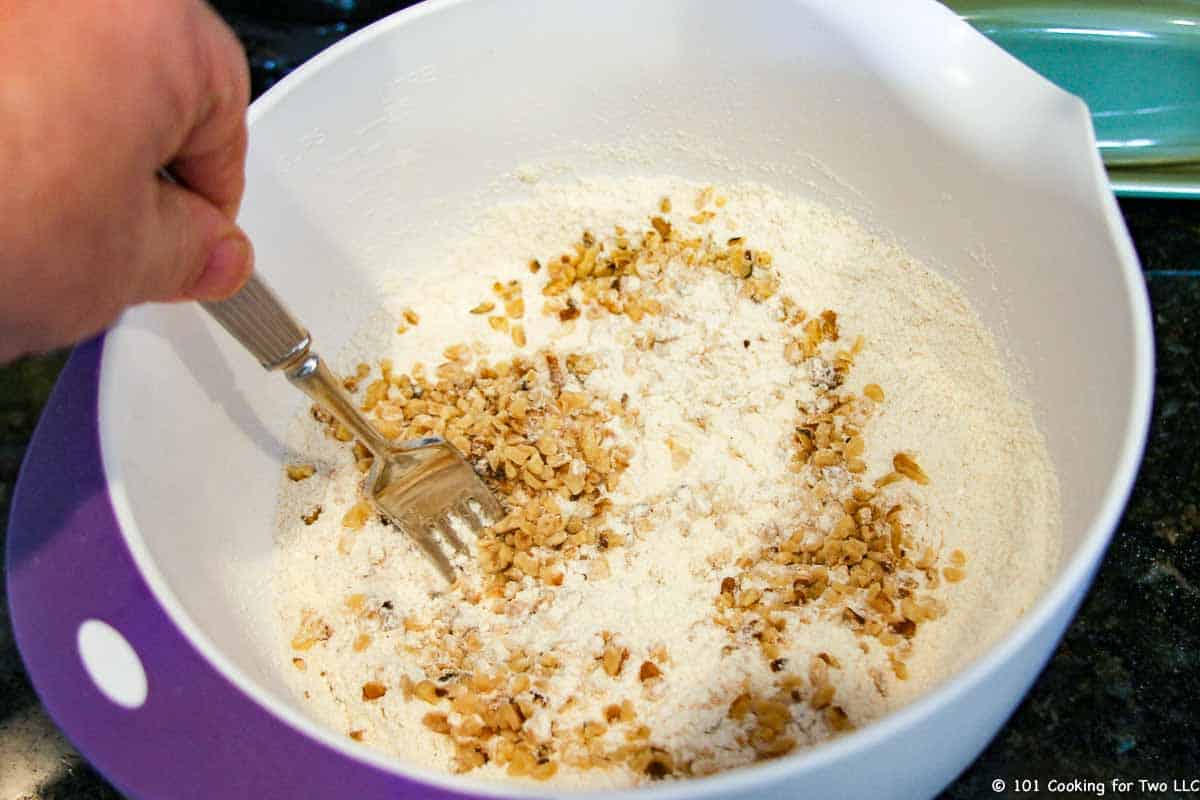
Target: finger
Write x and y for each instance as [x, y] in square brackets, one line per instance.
[192, 250]
[218, 174]
[212, 158]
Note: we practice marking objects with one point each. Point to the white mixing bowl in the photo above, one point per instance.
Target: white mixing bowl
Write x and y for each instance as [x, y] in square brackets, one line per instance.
[896, 111]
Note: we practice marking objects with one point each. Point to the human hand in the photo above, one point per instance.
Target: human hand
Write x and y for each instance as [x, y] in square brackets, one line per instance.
[95, 98]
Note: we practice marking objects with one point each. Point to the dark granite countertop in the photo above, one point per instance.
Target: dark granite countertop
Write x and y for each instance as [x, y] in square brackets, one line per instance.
[1121, 696]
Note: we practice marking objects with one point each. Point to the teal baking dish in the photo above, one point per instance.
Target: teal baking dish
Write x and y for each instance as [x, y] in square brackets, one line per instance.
[1135, 64]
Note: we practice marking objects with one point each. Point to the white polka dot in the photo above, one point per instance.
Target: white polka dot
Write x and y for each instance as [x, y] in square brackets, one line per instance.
[112, 663]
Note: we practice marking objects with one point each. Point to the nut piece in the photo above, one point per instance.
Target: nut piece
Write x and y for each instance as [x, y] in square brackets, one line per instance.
[741, 261]
[822, 697]
[613, 659]
[888, 479]
[739, 707]
[436, 722]
[356, 517]
[312, 629]
[836, 718]
[648, 671]
[373, 690]
[874, 391]
[300, 472]
[906, 466]
[428, 691]
[748, 598]
[662, 226]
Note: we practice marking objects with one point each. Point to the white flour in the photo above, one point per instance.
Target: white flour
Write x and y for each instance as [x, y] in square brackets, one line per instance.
[718, 386]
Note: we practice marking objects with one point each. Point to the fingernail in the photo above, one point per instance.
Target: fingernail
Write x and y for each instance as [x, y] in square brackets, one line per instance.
[227, 267]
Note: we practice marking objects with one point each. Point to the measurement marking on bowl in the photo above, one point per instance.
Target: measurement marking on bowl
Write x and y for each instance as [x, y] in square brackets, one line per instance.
[426, 73]
[112, 664]
[370, 126]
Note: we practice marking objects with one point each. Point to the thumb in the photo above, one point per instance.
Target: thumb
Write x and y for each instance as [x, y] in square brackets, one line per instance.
[193, 251]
